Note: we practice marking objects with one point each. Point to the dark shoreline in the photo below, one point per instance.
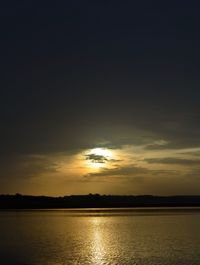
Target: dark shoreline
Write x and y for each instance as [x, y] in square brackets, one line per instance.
[95, 201]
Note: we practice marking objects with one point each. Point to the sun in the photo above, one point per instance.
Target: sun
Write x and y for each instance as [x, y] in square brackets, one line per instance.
[102, 152]
[98, 157]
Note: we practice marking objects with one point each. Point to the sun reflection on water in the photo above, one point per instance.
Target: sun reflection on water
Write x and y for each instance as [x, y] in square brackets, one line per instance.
[98, 243]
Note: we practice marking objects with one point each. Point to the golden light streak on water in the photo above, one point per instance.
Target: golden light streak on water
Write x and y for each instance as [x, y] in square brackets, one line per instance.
[99, 243]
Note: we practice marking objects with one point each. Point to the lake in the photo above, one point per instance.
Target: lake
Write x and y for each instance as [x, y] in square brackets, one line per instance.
[100, 236]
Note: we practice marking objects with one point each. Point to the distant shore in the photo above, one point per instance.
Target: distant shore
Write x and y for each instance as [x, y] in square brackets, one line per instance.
[19, 201]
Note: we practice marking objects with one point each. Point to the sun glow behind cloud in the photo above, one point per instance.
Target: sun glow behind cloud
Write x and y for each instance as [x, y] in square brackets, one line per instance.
[97, 158]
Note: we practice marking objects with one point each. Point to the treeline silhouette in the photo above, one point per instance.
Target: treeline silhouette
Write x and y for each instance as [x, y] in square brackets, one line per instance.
[19, 201]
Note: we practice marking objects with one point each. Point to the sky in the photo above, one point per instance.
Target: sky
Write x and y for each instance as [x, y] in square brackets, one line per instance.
[100, 97]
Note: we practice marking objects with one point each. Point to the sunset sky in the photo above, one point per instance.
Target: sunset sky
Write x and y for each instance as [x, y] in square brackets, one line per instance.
[100, 97]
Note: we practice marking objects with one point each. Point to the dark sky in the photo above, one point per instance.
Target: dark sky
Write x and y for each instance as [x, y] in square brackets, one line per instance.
[76, 75]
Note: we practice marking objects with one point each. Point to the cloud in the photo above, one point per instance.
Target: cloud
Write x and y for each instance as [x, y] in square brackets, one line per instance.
[130, 171]
[157, 144]
[94, 158]
[117, 171]
[123, 171]
[24, 167]
[192, 151]
[196, 154]
[172, 160]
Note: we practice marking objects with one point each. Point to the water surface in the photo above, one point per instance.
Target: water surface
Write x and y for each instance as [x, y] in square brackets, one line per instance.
[100, 236]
